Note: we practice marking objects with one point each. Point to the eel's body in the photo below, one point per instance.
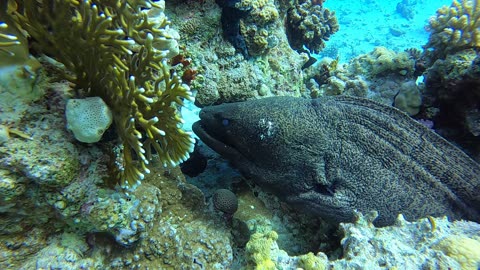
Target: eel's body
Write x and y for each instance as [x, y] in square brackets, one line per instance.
[333, 155]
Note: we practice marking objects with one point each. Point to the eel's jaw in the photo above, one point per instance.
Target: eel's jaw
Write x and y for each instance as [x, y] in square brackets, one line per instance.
[215, 143]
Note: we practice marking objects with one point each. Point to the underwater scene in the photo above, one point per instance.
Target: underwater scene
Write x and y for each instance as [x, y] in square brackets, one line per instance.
[240, 134]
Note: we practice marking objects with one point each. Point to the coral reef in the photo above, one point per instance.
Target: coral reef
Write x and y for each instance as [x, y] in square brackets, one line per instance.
[379, 75]
[64, 252]
[452, 85]
[231, 15]
[455, 28]
[309, 24]
[452, 98]
[262, 252]
[117, 50]
[259, 250]
[185, 236]
[162, 223]
[223, 74]
[259, 27]
[431, 243]
[362, 243]
[382, 61]
[43, 168]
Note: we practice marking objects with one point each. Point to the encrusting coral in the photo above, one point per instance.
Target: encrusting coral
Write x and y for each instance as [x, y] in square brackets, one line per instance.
[258, 28]
[116, 50]
[455, 28]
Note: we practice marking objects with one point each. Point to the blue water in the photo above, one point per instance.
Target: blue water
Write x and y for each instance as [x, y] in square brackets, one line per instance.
[366, 24]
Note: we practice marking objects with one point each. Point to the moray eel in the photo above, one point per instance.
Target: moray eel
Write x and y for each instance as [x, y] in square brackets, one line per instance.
[331, 156]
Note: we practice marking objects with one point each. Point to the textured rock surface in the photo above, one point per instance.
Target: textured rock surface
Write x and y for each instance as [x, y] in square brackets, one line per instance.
[65, 183]
[405, 245]
[452, 96]
[223, 73]
[378, 75]
[334, 155]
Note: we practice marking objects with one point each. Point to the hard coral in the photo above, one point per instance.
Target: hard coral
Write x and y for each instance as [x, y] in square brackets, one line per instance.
[258, 28]
[382, 61]
[226, 201]
[117, 50]
[455, 28]
[310, 25]
[13, 49]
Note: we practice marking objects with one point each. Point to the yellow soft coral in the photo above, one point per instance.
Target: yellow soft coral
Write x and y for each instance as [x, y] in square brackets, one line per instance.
[117, 50]
[258, 250]
[311, 262]
[455, 28]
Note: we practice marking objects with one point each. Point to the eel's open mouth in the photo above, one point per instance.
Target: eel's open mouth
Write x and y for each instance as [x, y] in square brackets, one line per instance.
[214, 140]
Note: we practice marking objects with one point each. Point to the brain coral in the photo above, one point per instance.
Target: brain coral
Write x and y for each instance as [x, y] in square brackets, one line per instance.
[225, 201]
[455, 28]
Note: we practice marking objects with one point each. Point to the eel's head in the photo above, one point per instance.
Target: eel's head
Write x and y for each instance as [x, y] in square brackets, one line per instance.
[224, 130]
[213, 130]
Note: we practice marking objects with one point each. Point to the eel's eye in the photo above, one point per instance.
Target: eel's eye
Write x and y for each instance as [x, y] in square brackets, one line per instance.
[225, 122]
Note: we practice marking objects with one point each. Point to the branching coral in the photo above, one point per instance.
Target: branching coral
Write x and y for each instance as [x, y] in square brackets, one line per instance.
[117, 50]
[310, 25]
[455, 28]
[11, 49]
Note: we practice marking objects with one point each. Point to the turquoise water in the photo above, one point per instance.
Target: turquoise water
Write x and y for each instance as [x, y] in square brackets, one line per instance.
[369, 23]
